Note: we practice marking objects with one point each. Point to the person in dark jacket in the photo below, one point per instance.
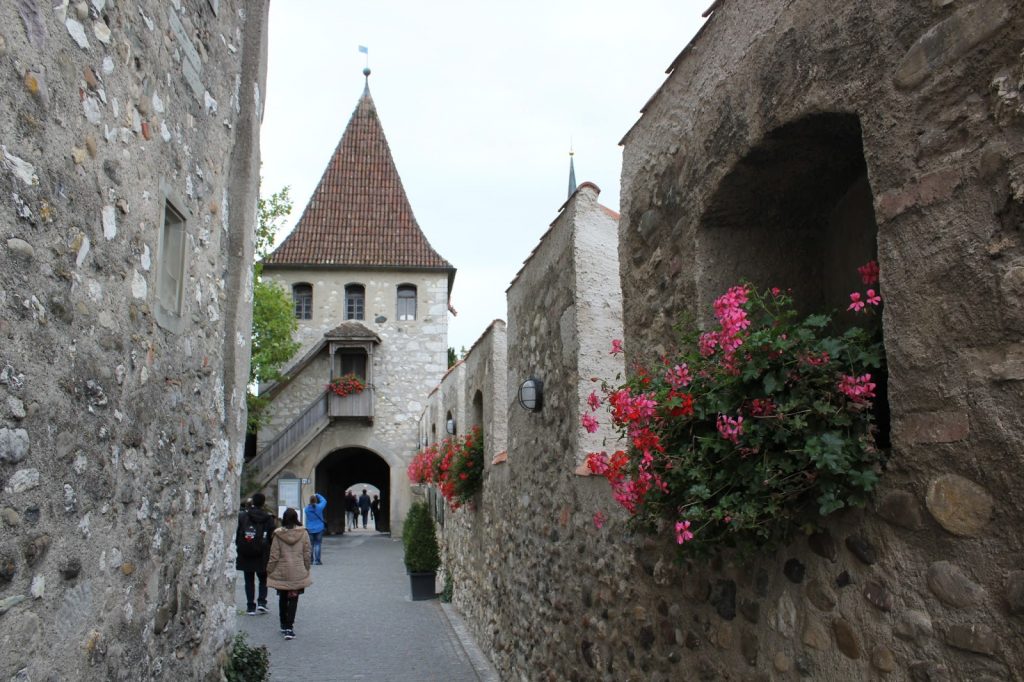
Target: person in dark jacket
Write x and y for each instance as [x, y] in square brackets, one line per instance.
[252, 542]
[364, 506]
[352, 510]
[375, 510]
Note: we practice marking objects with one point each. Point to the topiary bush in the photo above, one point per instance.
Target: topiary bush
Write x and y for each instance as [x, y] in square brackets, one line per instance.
[422, 553]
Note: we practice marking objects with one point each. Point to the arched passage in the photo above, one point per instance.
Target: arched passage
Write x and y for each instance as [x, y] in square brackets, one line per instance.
[345, 467]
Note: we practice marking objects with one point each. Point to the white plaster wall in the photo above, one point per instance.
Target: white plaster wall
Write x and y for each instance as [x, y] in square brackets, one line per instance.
[598, 309]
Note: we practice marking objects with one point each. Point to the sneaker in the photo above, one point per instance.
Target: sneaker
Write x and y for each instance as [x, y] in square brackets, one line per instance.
[261, 609]
[289, 634]
[251, 612]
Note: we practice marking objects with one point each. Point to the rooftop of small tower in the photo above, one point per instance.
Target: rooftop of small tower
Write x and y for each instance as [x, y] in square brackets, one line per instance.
[359, 214]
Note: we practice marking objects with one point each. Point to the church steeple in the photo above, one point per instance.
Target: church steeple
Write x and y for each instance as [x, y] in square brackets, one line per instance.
[359, 214]
[572, 174]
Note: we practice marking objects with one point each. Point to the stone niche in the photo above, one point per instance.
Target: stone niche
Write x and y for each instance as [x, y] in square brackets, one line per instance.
[796, 212]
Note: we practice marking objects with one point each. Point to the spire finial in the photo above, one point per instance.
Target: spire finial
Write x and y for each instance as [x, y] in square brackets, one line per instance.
[366, 68]
[572, 170]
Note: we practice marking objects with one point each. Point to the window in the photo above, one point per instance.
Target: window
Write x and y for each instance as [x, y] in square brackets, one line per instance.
[355, 295]
[302, 294]
[406, 302]
[170, 270]
[351, 362]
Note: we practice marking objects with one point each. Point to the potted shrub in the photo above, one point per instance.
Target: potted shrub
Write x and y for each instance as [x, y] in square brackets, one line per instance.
[422, 554]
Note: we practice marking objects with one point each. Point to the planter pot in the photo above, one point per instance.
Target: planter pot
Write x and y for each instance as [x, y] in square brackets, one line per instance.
[422, 585]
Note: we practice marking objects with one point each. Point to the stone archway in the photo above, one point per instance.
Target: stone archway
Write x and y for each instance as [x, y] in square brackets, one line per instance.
[345, 467]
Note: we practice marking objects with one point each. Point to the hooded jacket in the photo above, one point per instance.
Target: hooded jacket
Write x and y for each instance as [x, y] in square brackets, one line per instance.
[288, 568]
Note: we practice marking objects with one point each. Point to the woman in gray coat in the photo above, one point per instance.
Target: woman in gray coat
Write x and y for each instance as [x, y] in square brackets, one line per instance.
[288, 568]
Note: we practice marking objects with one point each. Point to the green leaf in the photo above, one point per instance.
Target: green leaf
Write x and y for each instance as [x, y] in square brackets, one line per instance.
[817, 321]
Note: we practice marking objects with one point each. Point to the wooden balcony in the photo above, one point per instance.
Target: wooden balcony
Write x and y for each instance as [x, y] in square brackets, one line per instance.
[356, 405]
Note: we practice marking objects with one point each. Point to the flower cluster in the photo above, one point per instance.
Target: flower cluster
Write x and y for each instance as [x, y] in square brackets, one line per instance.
[346, 384]
[455, 466]
[751, 431]
[868, 275]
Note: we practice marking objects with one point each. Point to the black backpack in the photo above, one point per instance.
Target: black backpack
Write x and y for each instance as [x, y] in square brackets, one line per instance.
[251, 537]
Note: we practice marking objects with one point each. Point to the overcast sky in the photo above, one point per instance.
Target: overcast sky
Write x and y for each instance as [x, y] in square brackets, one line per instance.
[479, 102]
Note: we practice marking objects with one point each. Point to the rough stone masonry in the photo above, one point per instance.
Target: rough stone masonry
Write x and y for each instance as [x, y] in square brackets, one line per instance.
[792, 141]
[128, 168]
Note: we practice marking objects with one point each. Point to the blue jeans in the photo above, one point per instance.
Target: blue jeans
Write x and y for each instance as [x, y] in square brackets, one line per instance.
[315, 539]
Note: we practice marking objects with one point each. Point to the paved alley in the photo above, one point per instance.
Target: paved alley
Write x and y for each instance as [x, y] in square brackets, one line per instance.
[357, 622]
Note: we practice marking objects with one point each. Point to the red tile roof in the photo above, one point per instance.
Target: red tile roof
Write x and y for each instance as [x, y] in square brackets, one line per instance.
[359, 214]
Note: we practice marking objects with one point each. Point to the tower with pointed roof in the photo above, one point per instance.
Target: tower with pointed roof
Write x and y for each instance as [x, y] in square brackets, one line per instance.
[371, 297]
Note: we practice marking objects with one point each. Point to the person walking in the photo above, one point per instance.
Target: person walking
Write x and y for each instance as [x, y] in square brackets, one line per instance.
[252, 544]
[288, 568]
[351, 510]
[375, 510]
[364, 506]
[315, 525]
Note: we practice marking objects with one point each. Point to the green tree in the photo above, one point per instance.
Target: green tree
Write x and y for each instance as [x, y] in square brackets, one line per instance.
[454, 357]
[273, 313]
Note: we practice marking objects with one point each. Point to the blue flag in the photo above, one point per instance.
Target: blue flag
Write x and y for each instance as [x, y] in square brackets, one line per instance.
[363, 49]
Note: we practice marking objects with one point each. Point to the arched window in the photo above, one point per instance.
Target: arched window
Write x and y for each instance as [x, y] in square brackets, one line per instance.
[406, 302]
[355, 297]
[302, 295]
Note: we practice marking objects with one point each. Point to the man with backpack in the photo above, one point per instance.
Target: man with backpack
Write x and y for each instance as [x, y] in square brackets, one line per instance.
[252, 542]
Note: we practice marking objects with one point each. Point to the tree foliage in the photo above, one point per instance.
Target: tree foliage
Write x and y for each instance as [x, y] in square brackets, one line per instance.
[273, 312]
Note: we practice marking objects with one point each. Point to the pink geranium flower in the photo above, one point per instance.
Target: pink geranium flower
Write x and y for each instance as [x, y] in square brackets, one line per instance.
[858, 389]
[589, 423]
[857, 305]
[616, 347]
[683, 532]
[678, 377]
[594, 401]
[869, 272]
[874, 298]
[729, 428]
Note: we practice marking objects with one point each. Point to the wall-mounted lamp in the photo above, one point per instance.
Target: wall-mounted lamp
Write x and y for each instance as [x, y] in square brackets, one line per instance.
[449, 425]
[531, 394]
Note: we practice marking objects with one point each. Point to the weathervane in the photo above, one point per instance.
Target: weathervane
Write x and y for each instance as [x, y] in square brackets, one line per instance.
[366, 69]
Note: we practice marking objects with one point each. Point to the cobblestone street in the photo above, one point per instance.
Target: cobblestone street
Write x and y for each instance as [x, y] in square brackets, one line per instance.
[357, 622]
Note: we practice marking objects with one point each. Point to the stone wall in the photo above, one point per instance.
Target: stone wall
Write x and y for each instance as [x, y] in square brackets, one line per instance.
[925, 583]
[123, 368]
[518, 557]
[788, 142]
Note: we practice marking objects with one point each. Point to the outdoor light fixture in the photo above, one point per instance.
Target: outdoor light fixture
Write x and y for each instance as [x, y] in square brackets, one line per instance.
[449, 425]
[531, 394]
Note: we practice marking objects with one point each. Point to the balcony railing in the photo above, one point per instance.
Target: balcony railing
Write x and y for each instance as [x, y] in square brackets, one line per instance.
[352, 405]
